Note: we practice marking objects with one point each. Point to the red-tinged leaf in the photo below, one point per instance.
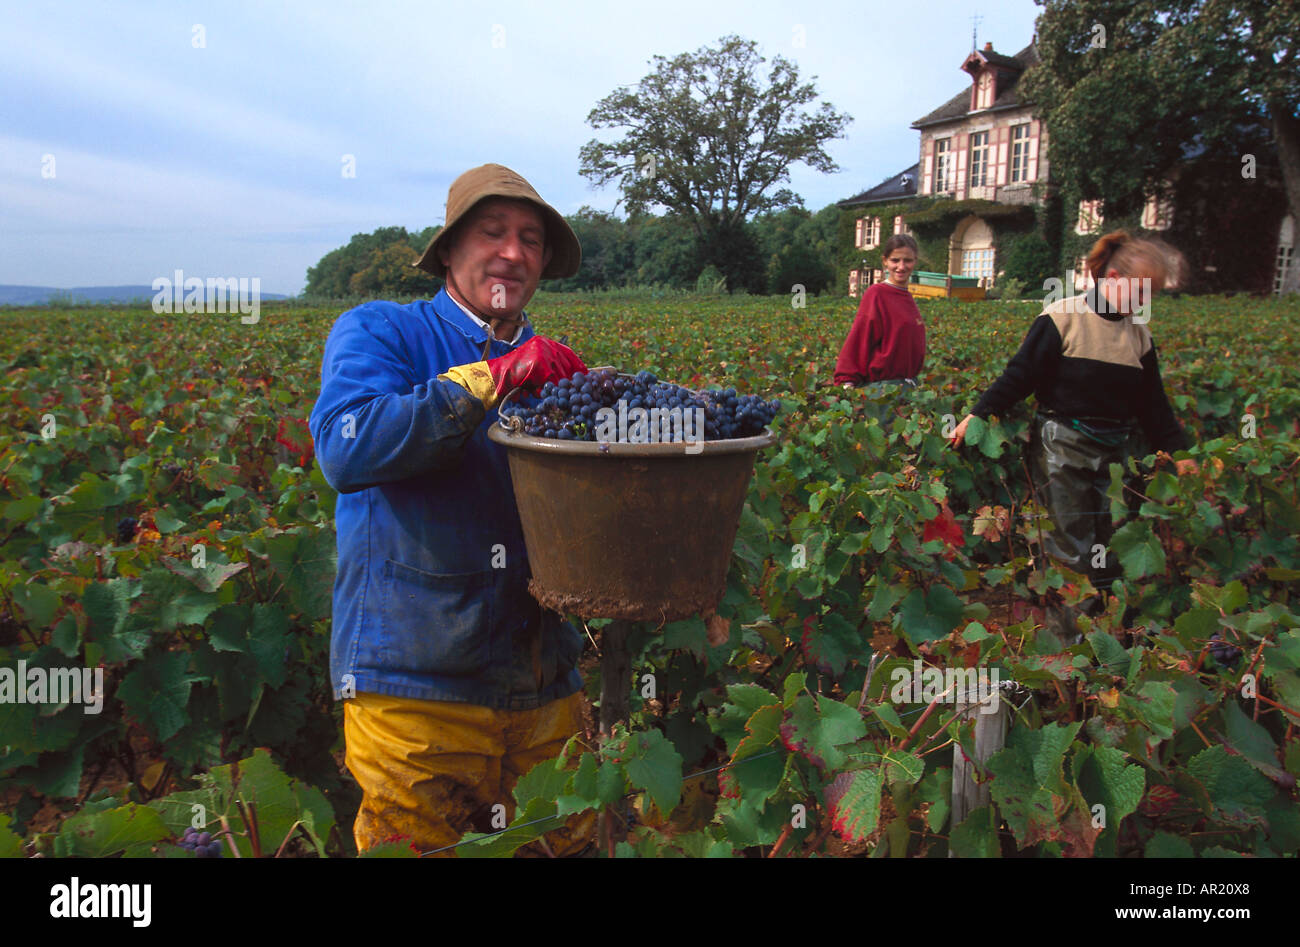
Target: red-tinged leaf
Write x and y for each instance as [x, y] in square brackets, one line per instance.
[1021, 610]
[830, 645]
[1029, 786]
[1158, 801]
[1060, 666]
[755, 773]
[853, 800]
[991, 522]
[815, 729]
[944, 527]
[727, 785]
[294, 435]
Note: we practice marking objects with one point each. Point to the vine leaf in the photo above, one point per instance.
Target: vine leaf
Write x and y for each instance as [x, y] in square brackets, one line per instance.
[853, 800]
[1138, 549]
[816, 728]
[656, 768]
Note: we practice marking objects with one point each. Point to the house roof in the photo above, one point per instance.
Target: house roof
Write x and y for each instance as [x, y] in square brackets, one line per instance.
[959, 105]
[902, 185]
[994, 58]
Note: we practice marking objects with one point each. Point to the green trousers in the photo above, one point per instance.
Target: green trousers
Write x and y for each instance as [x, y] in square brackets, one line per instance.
[1072, 475]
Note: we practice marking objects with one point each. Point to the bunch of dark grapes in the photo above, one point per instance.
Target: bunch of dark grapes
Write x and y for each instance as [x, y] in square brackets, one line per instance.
[568, 409]
[126, 527]
[202, 844]
[1225, 654]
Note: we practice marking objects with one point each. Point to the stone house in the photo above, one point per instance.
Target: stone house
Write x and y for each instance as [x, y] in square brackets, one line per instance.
[981, 200]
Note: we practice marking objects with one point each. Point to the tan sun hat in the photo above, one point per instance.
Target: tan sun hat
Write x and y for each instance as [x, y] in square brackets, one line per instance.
[495, 180]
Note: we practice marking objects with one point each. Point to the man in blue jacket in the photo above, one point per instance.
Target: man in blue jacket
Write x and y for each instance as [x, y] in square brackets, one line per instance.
[455, 681]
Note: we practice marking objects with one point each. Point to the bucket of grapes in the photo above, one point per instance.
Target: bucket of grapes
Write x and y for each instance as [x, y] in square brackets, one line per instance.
[630, 491]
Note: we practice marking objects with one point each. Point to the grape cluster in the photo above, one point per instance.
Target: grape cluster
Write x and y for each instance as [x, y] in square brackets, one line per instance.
[202, 844]
[1225, 654]
[126, 530]
[568, 409]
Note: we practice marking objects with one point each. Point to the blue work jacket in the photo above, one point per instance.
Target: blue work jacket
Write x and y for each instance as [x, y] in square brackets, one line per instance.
[431, 597]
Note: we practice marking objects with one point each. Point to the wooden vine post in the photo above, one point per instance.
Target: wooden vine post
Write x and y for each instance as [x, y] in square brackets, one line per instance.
[615, 707]
[990, 737]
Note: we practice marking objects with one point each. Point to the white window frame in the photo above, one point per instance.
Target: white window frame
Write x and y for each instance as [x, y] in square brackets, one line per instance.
[978, 262]
[1286, 259]
[979, 159]
[943, 165]
[1286, 255]
[868, 233]
[1091, 217]
[1158, 212]
[1020, 153]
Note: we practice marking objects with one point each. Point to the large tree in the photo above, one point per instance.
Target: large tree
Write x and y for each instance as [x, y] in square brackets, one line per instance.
[706, 136]
[1127, 85]
[372, 264]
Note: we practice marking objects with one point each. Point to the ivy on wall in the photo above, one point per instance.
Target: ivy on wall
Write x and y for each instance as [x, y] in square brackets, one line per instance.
[932, 222]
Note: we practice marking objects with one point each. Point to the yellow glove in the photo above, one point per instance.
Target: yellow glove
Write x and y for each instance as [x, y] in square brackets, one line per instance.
[476, 378]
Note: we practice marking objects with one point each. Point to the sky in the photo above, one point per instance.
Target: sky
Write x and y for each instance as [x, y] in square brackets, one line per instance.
[139, 138]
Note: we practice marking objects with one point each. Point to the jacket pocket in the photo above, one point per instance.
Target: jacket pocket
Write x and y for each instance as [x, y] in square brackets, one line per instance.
[436, 623]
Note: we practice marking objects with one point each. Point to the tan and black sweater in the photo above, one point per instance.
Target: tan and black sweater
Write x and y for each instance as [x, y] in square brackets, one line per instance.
[1082, 361]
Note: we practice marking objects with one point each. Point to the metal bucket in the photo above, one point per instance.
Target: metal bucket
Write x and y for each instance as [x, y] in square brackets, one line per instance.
[640, 532]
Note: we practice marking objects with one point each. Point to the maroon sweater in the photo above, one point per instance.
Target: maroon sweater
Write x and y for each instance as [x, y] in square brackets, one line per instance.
[887, 339]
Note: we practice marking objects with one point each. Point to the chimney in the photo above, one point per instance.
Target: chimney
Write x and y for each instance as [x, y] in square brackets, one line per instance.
[988, 47]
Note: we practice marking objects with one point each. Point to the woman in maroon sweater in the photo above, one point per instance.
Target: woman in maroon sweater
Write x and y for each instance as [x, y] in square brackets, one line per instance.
[887, 342]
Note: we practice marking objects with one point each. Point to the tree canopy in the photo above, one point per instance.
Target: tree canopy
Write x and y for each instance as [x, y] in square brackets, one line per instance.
[780, 250]
[1128, 87]
[374, 264]
[710, 139]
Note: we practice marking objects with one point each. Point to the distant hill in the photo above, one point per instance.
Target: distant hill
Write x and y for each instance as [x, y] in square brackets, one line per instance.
[40, 295]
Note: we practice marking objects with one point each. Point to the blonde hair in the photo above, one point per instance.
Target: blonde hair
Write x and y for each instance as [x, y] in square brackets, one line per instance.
[1121, 251]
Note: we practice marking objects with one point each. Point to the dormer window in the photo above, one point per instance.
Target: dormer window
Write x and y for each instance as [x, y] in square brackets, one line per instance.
[984, 87]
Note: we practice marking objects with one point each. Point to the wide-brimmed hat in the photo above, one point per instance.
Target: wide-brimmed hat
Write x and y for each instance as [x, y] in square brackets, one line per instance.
[495, 180]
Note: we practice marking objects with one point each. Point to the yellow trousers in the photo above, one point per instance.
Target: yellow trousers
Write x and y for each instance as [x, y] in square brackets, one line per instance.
[432, 770]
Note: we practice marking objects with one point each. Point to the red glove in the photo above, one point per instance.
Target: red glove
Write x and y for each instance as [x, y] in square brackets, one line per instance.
[533, 364]
[530, 366]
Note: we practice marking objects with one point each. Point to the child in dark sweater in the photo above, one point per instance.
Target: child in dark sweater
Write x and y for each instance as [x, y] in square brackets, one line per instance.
[1091, 364]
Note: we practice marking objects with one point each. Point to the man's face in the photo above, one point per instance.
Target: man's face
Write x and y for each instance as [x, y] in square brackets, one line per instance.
[497, 256]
